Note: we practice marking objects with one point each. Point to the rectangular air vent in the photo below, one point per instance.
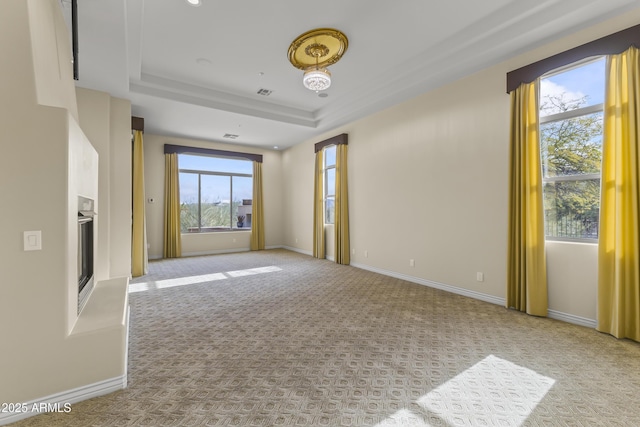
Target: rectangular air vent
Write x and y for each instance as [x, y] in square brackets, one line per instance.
[264, 92]
[230, 136]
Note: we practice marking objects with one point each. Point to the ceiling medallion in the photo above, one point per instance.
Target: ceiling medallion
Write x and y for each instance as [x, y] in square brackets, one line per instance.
[315, 50]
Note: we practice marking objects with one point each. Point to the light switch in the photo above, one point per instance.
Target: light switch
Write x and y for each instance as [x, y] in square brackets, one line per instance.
[33, 240]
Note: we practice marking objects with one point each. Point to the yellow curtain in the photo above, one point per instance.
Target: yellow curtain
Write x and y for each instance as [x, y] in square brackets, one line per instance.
[341, 227]
[318, 208]
[526, 264]
[139, 257]
[172, 241]
[257, 212]
[619, 247]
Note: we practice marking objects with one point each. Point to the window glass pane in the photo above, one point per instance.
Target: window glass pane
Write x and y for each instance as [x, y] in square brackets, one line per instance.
[215, 202]
[214, 164]
[330, 182]
[242, 201]
[188, 202]
[571, 208]
[575, 88]
[329, 205]
[330, 155]
[572, 146]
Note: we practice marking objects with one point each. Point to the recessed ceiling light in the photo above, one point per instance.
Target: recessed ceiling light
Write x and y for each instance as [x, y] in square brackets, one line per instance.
[275, 147]
[194, 2]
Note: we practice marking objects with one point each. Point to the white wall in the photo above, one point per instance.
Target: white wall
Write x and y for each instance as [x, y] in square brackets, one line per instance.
[218, 242]
[428, 180]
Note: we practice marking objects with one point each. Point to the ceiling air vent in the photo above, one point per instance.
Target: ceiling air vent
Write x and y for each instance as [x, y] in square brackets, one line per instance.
[230, 136]
[264, 92]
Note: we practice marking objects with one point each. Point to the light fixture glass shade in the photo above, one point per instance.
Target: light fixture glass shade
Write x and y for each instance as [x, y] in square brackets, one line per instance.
[317, 79]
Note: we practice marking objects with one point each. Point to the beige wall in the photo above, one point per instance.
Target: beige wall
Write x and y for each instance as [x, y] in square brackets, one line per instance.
[52, 60]
[428, 180]
[420, 186]
[206, 243]
[297, 166]
[107, 123]
[120, 188]
[47, 162]
[94, 120]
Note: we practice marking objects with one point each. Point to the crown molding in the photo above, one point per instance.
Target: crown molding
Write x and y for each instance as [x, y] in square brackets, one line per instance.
[192, 94]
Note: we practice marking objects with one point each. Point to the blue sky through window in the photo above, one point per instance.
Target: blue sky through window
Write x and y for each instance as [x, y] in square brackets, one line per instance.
[214, 189]
[586, 80]
[214, 164]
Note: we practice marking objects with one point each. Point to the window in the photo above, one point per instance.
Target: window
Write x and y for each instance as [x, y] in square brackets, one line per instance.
[215, 193]
[329, 184]
[571, 111]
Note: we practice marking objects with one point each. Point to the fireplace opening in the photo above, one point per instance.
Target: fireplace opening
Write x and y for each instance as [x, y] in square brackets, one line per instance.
[85, 250]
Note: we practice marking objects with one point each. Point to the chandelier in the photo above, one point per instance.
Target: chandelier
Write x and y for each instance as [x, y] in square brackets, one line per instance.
[317, 79]
[313, 51]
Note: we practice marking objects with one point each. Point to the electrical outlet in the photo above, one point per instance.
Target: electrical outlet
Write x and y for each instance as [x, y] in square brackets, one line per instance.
[480, 276]
[366, 254]
[412, 263]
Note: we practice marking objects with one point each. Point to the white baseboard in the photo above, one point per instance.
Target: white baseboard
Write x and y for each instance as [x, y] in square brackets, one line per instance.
[220, 251]
[62, 401]
[215, 252]
[570, 318]
[553, 314]
[300, 251]
[444, 287]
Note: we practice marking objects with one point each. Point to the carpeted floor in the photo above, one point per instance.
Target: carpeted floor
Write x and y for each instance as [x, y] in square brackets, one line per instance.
[276, 338]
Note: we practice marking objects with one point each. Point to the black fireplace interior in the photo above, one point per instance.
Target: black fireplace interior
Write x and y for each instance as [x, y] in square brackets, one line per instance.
[85, 249]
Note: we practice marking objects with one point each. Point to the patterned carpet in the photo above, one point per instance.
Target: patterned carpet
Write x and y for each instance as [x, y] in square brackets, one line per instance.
[276, 338]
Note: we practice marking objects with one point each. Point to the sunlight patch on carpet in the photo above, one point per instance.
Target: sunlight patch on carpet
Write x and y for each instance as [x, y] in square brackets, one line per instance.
[404, 418]
[252, 271]
[192, 280]
[492, 392]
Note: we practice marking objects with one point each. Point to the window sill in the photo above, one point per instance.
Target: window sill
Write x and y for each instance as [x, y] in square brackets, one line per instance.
[568, 240]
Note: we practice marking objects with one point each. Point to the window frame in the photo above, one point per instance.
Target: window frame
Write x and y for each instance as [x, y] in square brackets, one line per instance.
[562, 116]
[325, 185]
[230, 175]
